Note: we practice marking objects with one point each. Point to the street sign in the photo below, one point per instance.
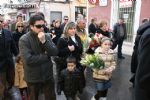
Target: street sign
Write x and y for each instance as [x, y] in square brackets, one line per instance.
[102, 2]
[125, 3]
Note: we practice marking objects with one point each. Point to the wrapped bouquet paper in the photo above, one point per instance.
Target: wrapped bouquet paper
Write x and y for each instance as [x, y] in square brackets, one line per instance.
[96, 64]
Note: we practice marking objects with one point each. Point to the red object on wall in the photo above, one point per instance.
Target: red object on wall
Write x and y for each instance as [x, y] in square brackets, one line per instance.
[93, 2]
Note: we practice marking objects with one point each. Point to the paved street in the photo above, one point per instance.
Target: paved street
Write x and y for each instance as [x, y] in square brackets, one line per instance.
[121, 87]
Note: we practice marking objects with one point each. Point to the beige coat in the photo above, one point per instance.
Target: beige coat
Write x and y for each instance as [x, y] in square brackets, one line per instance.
[19, 76]
[110, 65]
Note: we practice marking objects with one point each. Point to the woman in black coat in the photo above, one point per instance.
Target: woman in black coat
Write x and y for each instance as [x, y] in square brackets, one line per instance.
[56, 31]
[68, 45]
[18, 33]
[104, 30]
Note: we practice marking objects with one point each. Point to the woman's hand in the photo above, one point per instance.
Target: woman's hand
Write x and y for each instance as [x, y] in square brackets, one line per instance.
[71, 48]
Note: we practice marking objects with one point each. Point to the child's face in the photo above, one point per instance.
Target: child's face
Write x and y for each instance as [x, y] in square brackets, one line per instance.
[106, 45]
[71, 66]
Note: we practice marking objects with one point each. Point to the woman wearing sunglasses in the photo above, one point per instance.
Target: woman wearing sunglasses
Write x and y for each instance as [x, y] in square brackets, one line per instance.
[18, 32]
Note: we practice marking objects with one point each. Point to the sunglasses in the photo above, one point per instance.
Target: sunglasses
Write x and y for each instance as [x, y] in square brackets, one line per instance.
[1, 21]
[39, 26]
[19, 26]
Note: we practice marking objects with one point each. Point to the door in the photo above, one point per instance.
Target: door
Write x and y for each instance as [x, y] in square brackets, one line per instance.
[127, 11]
[54, 15]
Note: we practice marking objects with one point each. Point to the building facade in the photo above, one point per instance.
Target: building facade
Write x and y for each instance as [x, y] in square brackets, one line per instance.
[52, 9]
[133, 11]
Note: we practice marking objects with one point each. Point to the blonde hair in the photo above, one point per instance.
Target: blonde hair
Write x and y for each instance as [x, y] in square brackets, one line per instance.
[16, 27]
[68, 26]
[102, 23]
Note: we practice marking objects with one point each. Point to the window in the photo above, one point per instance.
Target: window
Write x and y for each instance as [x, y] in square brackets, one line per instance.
[80, 12]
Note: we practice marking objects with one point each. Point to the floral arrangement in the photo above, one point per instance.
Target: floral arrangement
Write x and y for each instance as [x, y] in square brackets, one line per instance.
[93, 61]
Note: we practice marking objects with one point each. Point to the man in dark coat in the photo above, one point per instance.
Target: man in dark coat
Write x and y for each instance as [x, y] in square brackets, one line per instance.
[7, 50]
[134, 59]
[119, 35]
[142, 77]
[66, 18]
[36, 49]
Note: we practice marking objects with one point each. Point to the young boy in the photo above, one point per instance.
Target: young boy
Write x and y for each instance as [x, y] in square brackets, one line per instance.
[70, 80]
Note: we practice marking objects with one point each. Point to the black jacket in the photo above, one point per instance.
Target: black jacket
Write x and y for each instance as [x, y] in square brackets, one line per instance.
[16, 37]
[64, 50]
[134, 61]
[7, 50]
[107, 34]
[142, 78]
[71, 82]
[92, 28]
[116, 32]
[58, 32]
[36, 56]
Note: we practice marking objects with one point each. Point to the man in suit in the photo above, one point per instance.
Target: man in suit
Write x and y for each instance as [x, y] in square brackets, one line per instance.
[7, 50]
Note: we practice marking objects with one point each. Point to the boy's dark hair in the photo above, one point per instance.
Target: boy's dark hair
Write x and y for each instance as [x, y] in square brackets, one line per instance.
[71, 59]
[35, 18]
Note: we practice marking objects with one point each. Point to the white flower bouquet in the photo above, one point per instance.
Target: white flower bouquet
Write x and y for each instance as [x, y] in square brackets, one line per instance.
[93, 61]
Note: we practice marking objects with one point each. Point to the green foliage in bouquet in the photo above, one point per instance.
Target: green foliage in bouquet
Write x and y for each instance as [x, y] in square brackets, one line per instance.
[92, 61]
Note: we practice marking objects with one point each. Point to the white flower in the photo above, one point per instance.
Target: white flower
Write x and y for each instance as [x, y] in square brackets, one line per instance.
[91, 64]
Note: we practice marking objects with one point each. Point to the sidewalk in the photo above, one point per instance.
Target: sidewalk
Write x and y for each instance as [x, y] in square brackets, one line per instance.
[127, 48]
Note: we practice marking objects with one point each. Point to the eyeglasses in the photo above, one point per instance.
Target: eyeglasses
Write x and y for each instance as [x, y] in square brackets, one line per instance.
[19, 26]
[39, 26]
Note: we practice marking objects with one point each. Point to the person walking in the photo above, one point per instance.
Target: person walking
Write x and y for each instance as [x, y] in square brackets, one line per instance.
[8, 49]
[36, 49]
[102, 78]
[120, 35]
[142, 76]
[18, 33]
[69, 44]
[70, 79]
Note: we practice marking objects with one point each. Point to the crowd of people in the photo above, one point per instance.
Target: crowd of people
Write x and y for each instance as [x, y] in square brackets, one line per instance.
[27, 53]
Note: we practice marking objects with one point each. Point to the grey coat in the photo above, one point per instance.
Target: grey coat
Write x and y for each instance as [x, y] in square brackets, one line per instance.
[37, 57]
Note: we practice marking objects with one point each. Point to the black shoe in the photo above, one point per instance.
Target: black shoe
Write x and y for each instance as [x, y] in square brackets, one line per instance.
[58, 92]
[121, 57]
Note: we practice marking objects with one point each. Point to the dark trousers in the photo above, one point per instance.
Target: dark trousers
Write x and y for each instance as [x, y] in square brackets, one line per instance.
[6, 81]
[120, 43]
[34, 89]
[101, 94]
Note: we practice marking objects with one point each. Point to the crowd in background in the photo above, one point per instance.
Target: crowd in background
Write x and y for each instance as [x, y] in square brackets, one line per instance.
[35, 45]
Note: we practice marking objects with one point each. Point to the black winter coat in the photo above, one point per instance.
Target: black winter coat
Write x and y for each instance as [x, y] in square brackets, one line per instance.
[142, 78]
[36, 56]
[116, 32]
[64, 51]
[92, 28]
[134, 61]
[16, 37]
[107, 34]
[7, 50]
[58, 32]
[71, 82]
